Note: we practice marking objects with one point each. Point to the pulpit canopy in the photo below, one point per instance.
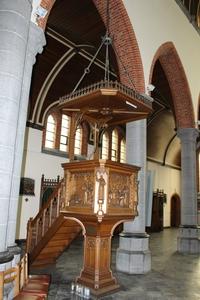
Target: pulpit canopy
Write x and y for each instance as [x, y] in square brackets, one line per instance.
[110, 102]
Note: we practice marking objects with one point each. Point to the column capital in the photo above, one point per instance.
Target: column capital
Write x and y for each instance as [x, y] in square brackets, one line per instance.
[188, 134]
[36, 41]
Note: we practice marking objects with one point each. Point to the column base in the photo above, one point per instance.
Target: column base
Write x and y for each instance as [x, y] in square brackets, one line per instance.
[5, 257]
[16, 252]
[133, 254]
[188, 240]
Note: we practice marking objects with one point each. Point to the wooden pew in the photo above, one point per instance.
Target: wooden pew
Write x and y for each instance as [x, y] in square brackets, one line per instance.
[27, 297]
[27, 287]
[9, 276]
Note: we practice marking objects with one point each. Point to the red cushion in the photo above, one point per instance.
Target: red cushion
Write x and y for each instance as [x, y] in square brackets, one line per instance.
[36, 289]
[41, 294]
[24, 296]
[41, 278]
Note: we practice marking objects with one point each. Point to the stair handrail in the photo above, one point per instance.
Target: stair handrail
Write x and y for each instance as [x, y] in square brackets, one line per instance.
[57, 193]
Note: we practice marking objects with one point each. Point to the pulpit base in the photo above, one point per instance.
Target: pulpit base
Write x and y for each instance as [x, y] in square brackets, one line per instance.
[104, 289]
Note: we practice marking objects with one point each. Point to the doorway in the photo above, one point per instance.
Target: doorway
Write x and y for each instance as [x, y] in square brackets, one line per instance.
[175, 211]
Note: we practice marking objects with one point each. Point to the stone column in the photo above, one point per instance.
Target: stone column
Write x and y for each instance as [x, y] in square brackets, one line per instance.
[133, 255]
[14, 29]
[189, 232]
[35, 45]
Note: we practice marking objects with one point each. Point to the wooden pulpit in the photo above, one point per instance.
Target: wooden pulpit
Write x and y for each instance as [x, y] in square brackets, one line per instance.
[100, 194]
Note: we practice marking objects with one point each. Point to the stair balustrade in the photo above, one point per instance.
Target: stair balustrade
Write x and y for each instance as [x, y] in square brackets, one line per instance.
[38, 227]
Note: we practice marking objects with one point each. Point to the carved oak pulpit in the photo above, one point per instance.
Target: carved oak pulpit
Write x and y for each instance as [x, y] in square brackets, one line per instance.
[100, 193]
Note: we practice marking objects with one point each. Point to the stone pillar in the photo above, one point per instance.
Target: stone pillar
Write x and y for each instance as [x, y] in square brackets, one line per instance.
[14, 28]
[189, 232]
[133, 255]
[35, 45]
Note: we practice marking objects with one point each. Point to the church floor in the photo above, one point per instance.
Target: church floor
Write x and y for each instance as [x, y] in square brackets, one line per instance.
[173, 276]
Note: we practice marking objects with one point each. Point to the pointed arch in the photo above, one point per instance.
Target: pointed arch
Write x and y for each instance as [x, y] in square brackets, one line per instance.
[174, 71]
[129, 58]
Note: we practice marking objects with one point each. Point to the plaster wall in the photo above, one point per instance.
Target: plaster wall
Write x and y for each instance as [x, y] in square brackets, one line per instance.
[156, 22]
[168, 179]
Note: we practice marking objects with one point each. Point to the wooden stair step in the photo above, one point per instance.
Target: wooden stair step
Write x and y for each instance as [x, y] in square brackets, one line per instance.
[63, 236]
[71, 223]
[51, 250]
[49, 255]
[54, 243]
[43, 262]
[59, 236]
[66, 229]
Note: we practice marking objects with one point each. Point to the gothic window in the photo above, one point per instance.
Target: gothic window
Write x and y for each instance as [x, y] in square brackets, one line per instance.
[65, 131]
[123, 151]
[114, 147]
[50, 132]
[78, 141]
[105, 146]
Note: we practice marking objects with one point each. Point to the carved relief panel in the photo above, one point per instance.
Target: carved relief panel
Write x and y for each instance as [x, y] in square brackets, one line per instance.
[80, 189]
[122, 191]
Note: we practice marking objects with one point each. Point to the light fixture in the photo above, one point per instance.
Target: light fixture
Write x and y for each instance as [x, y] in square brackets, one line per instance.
[133, 105]
[41, 11]
[150, 87]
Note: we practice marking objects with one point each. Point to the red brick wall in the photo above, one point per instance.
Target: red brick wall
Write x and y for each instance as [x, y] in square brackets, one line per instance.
[178, 83]
[125, 43]
[47, 4]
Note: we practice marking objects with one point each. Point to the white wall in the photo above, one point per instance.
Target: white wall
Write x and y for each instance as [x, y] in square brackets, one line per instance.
[35, 163]
[167, 179]
[156, 22]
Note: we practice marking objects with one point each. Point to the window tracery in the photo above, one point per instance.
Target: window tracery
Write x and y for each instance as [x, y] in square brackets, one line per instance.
[65, 131]
[105, 146]
[50, 132]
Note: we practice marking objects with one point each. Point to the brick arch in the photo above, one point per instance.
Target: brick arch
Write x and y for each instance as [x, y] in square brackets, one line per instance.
[174, 71]
[125, 41]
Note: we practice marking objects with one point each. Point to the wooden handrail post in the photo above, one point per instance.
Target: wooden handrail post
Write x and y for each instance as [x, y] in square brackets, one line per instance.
[29, 235]
[36, 232]
[17, 281]
[50, 213]
[58, 204]
[43, 222]
[1, 285]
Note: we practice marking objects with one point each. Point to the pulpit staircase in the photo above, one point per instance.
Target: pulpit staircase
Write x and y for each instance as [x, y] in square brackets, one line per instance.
[49, 233]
